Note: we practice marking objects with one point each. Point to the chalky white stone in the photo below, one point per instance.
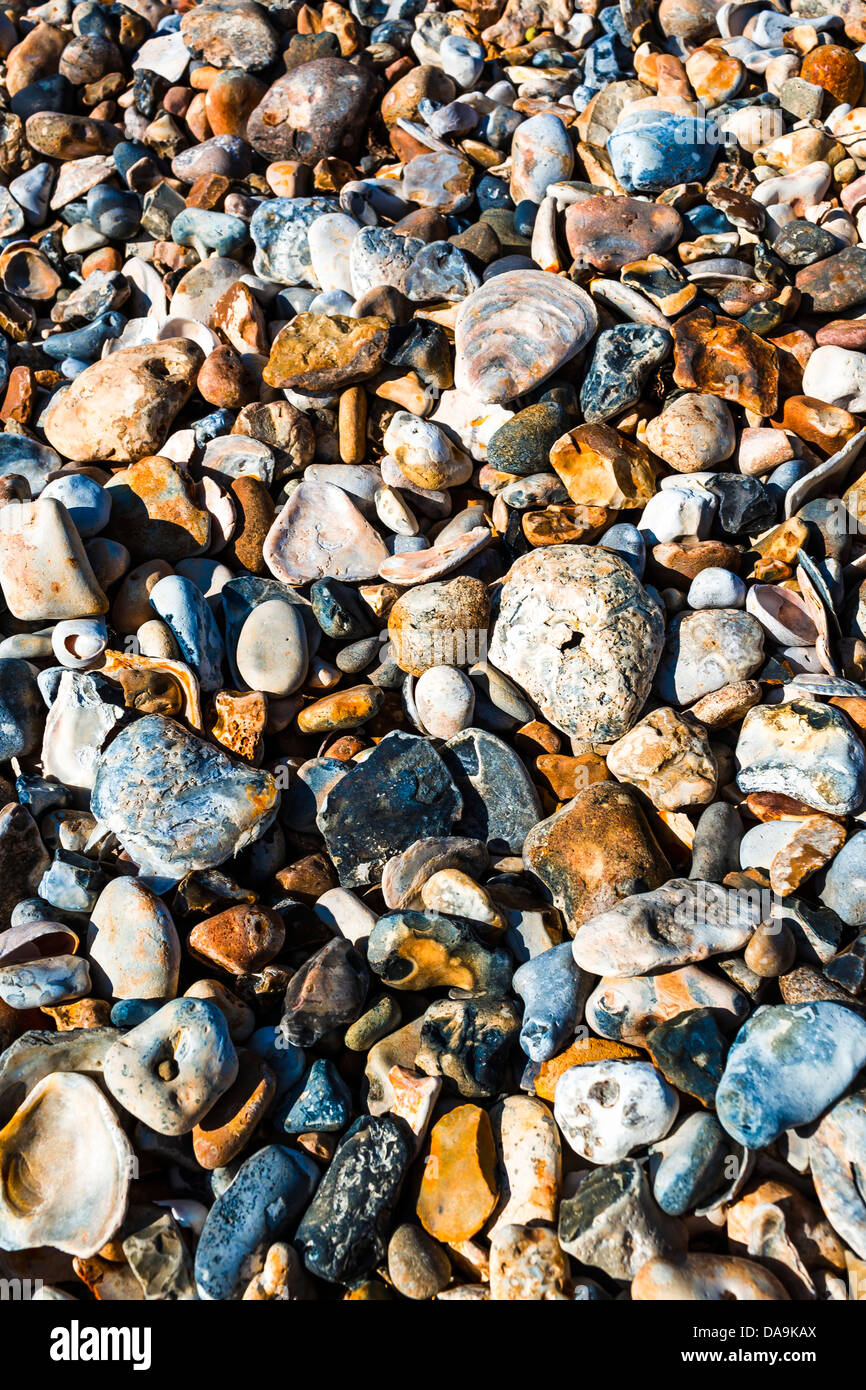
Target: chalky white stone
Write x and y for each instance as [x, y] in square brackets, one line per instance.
[608, 1109]
[595, 688]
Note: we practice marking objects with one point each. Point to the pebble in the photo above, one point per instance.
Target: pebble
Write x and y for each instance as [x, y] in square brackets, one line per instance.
[606, 1110]
[817, 1048]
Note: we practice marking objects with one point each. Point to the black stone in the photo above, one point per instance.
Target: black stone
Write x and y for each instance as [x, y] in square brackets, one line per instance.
[523, 444]
[745, 505]
[500, 803]
[689, 1050]
[344, 1233]
[802, 243]
[625, 358]
[340, 611]
[401, 793]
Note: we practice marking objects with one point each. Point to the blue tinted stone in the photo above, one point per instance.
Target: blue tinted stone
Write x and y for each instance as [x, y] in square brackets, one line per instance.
[624, 359]
[651, 150]
[627, 541]
[85, 344]
[500, 802]
[690, 1165]
[219, 231]
[22, 713]
[554, 990]
[324, 1105]
[181, 605]
[786, 1065]
[401, 793]
[177, 803]
[258, 1207]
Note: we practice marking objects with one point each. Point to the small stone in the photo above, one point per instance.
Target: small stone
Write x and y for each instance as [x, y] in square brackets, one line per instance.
[684, 921]
[176, 803]
[414, 797]
[572, 590]
[317, 111]
[327, 992]
[607, 1109]
[689, 1050]
[706, 1278]
[626, 1009]
[692, 433]
[609, 233]
[417, 950]
[121, 409]
[418, 1267]
[173, 1068]
[717, 355]
[706, 651]
[527, 1264]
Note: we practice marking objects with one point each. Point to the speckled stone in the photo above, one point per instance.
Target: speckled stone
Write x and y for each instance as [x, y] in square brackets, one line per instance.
[594, 851]
[265, 1197]
[343, 1234]
[593, 691]
[176, 803]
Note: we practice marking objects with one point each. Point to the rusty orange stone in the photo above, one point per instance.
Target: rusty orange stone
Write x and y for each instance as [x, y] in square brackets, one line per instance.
[826, 427]
[237, 720]
[256, 512]
[20, 397]
[458, 1189]
[564, 525]
[346, 709]
[238, 317]
[208, 191]
[241, 940]
[720, 356]
[228, 1127]
[536, 737]
[567, 776]
[577, 1055]
[80, 1013]
[230, 99]
[837, 70]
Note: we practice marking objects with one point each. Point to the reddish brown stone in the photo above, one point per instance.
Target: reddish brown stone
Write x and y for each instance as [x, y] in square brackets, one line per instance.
[608, 233]
[240, 940]
[720, 356]
[228, 1127]
[256, 512]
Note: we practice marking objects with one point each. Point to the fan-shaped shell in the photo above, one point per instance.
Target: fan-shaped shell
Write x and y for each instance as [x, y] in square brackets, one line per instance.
[65, 1166]
[515, 331]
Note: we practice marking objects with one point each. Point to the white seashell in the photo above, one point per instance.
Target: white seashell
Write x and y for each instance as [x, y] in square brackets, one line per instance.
[516, 331]
[196, 332]
[65, 1166]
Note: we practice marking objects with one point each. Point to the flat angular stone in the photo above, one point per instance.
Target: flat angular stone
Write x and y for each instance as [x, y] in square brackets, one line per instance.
[319, 534]
[401, 793]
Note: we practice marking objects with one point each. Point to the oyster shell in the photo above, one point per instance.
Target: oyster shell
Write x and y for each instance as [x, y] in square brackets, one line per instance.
[516, 331]
[65, 1165]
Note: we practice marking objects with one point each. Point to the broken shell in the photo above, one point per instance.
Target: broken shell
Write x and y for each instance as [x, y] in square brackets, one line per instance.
[65, 1166]
[783, 614]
